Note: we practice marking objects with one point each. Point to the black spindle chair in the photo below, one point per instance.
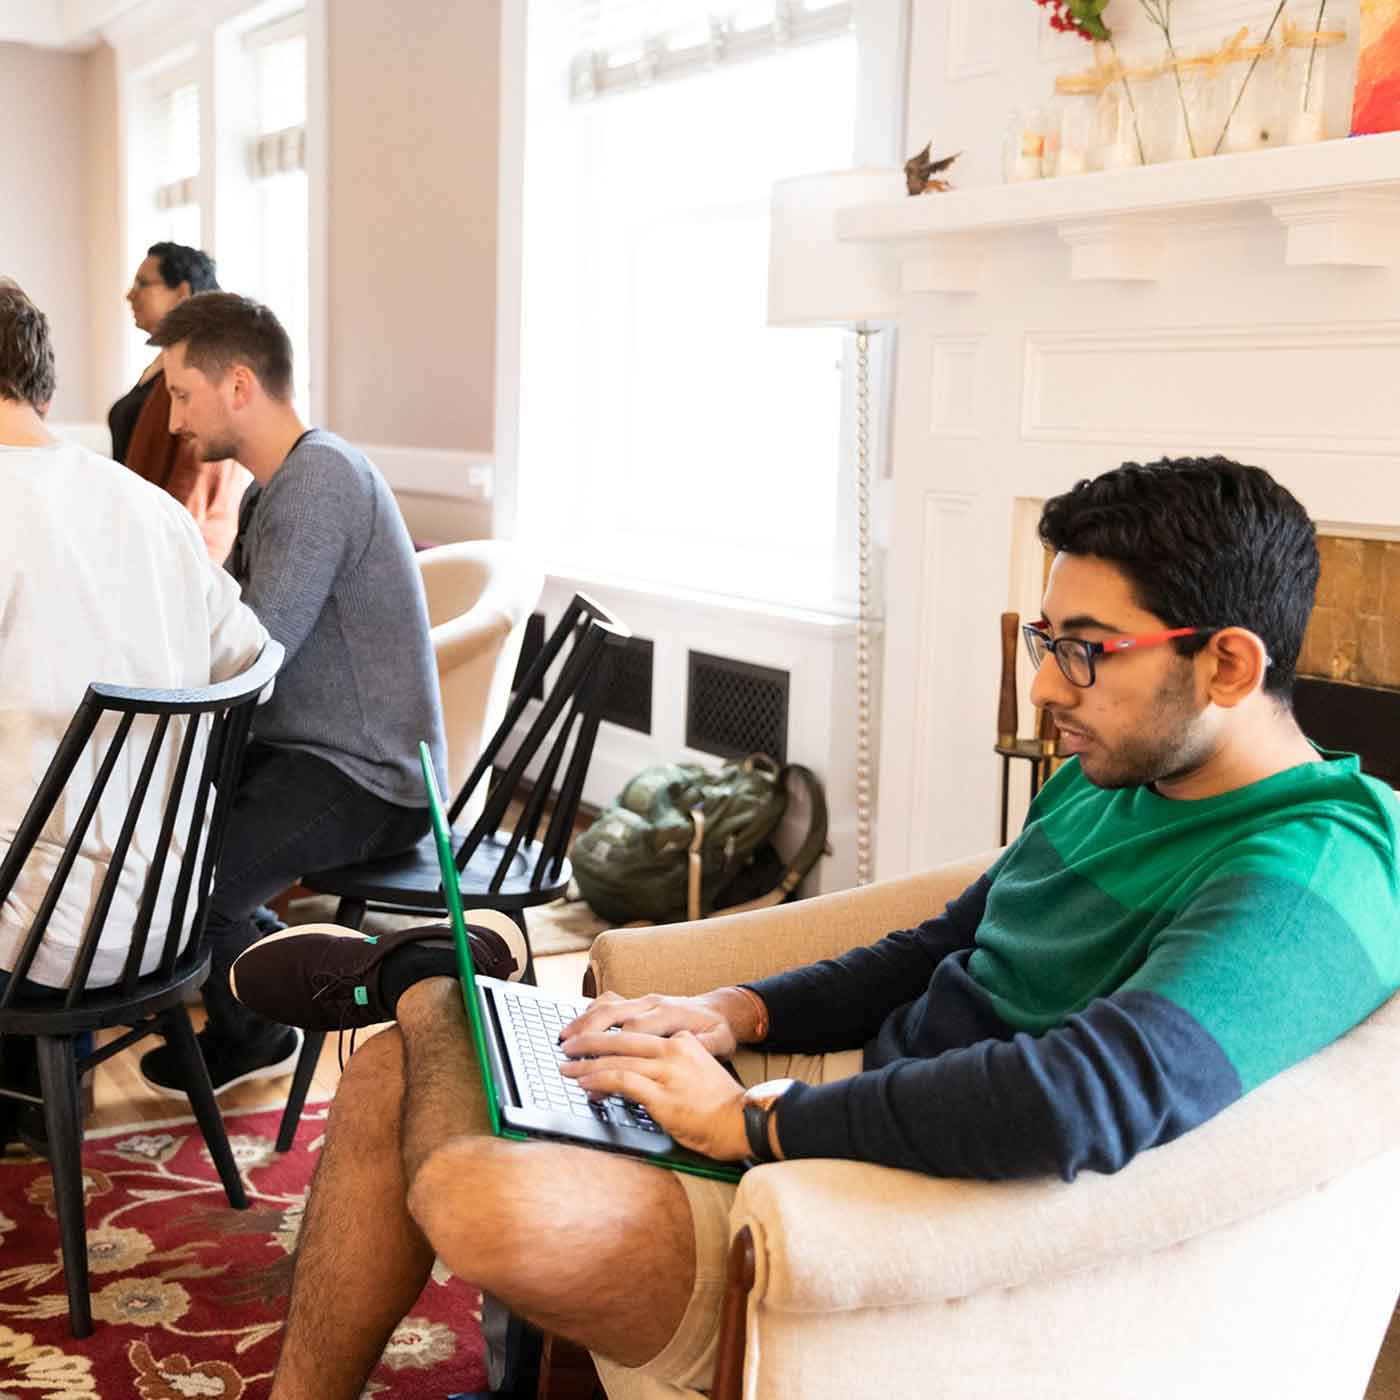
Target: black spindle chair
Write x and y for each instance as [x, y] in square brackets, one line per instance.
[506, 870]
[220, 716]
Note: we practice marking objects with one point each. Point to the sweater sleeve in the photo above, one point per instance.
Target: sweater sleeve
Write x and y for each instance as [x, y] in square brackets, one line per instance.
[841, 1002]
[1228, 994]
[309, 522]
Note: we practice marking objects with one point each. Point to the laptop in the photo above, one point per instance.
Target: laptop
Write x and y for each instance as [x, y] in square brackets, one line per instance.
[515, 1032]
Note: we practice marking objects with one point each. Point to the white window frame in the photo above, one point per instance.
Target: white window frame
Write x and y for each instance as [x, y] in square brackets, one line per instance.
[882, 30]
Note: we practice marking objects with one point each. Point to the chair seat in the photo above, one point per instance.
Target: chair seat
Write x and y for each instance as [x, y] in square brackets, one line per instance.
[411, 879]
[105, 1007]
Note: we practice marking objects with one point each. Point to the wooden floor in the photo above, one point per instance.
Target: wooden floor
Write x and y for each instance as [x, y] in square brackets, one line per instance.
[121, 1096]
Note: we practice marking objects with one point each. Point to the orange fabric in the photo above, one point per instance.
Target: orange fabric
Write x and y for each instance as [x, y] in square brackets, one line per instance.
[210, 491]
[1376, 106]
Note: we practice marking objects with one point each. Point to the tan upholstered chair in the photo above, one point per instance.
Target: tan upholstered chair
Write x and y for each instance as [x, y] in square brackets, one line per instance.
[1257, 1256]
[480, 595]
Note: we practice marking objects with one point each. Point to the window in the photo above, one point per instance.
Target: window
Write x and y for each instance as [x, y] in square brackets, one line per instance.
[282, 264]
[667, 433]
[177, 197]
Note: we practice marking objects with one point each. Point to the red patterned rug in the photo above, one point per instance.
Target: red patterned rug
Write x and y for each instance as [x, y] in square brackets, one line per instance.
[188, 1296]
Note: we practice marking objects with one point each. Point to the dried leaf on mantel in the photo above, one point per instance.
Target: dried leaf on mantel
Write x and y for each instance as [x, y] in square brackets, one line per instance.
[921, 171]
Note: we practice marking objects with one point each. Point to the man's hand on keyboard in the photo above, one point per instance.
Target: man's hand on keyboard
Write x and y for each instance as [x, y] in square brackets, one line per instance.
[673, 1076]
[721, 1020]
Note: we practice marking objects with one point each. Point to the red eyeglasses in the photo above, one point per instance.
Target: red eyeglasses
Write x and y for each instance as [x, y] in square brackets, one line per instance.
[1075, 656]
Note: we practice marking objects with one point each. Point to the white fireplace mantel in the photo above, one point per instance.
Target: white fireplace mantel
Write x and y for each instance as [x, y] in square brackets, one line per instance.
[1338, 202]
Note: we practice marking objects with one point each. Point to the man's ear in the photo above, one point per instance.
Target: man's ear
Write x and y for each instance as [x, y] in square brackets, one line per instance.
[1237, 660]
[244, 382]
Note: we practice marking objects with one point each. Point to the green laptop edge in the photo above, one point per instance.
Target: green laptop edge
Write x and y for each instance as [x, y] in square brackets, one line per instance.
[452, 895]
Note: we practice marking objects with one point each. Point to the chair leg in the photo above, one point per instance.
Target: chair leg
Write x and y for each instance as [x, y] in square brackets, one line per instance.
[301, 1082]
[517, 917]
[349, 913]
[179, 1034]
[58, 1079]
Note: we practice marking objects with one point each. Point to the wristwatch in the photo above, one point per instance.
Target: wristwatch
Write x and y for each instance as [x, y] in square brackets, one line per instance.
[758, 1108]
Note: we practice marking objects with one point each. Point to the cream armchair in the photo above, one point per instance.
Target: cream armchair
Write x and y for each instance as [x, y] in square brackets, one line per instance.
[1258, 1256]
[480, 594]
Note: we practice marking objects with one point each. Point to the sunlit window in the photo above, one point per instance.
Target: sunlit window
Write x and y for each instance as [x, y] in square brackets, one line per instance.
[283, 195]
[177, 197]
[667, 433]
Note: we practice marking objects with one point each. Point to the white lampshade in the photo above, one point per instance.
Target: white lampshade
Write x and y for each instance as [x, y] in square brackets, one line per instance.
[815, 279]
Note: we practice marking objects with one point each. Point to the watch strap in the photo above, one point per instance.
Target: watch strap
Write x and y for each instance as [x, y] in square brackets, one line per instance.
[756, 1130]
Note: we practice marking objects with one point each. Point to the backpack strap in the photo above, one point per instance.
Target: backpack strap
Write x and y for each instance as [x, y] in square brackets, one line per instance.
[695, 863]
[810, 852]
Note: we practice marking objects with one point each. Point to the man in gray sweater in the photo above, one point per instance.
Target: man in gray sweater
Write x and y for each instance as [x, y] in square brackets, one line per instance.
[326, 563]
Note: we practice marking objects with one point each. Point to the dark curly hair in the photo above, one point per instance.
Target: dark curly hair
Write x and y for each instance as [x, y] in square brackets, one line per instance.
[27, 373]
[1204, 542]
[177, 264]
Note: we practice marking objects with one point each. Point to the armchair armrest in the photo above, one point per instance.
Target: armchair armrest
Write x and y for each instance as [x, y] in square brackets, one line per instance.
[477, 632]
[835, 1235]
[687, 959]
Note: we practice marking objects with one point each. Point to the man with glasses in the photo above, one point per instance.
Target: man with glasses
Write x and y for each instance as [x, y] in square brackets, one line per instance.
[1200, 898]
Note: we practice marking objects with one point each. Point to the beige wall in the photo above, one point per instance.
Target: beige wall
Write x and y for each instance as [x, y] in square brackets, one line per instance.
[107, 279]
[413, 118]
[44, 230]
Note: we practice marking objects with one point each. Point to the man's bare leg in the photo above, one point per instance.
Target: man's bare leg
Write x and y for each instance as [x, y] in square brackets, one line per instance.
[594, 1247]
[361, 1261]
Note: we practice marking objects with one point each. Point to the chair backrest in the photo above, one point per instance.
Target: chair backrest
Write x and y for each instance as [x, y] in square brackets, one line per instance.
[208, 756]
[480, 594]
[588, 639]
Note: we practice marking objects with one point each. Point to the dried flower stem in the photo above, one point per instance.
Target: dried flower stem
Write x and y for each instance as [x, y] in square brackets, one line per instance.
[1160, 13]
[1254, 63]
[1128, 92]
[1312, 54]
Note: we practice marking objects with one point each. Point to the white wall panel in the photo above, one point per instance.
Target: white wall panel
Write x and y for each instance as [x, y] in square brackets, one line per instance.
[1263, 388]
[956, 388]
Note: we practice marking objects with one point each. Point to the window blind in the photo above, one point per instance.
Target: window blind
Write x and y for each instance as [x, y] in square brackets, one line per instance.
[279, 54]
[624, 44]
[179, 121]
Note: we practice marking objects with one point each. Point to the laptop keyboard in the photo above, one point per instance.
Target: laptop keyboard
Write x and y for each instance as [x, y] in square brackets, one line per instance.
[537, 1025]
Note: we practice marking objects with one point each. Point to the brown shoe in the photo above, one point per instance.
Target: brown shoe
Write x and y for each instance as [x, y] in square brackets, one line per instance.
[323, 977]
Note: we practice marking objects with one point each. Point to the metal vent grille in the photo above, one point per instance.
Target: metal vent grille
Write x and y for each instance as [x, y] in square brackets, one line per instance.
[530, 648]
[734, 708]
[628, 698]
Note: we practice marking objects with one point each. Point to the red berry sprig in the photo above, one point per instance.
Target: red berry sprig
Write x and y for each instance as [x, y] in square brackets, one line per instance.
[1082, 17]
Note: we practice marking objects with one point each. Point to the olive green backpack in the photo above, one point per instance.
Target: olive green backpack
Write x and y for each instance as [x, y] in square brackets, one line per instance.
[682, 841]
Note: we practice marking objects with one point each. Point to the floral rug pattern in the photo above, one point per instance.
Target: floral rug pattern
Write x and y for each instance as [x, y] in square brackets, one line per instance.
[188, 1296]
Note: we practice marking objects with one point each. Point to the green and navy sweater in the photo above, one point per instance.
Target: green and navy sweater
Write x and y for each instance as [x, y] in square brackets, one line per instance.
[1126, 969]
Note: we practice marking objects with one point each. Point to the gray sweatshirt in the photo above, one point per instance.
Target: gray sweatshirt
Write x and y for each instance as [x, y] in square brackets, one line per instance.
[327, 565]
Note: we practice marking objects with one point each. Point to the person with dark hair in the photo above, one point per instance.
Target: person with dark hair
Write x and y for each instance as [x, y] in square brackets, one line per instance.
[139, 420]
[1199, 899]
[84, 548]
[332, 772]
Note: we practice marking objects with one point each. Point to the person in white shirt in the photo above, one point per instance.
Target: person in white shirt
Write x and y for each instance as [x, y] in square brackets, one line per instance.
[103, 577]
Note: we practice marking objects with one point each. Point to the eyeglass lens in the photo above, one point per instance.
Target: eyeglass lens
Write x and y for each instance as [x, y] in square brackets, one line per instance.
[1073, 655]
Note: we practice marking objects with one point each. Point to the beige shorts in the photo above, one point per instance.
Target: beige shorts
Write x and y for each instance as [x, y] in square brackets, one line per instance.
[688, 1359]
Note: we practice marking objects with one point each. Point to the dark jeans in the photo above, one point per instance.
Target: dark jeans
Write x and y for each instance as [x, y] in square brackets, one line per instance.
[293, 815]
